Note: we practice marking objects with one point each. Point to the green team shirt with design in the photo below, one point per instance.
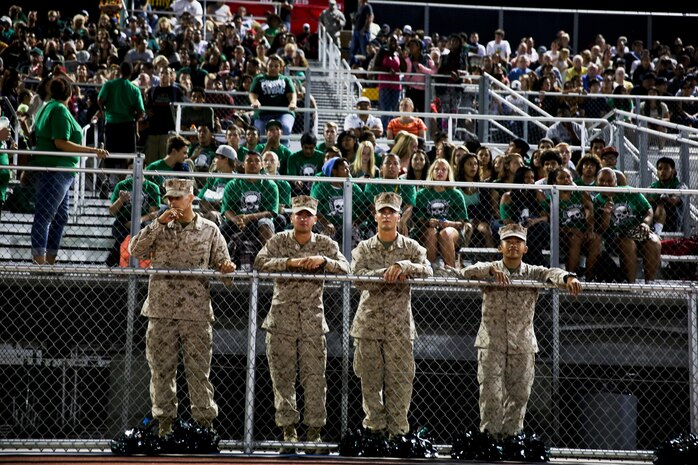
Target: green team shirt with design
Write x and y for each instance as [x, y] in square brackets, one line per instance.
[629, 209]
[151, 197]
[300, 165]
[243, 197]
[447, 205]
[331, 201]
[272, 92]
[572, 214]
[407, 192]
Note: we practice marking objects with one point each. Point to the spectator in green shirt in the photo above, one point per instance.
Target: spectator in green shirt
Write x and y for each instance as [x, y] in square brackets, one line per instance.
[306, 162]
[174, 161]
[668, 208]
[211, 194]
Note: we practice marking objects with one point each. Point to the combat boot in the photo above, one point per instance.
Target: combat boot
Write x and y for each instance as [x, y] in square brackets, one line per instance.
[290, 435]
[314, 436]
[164, 427]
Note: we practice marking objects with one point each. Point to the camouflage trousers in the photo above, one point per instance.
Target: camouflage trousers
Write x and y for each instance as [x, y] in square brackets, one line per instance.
[287, 355]
[505, 385]
[162, 342]
[386, 370]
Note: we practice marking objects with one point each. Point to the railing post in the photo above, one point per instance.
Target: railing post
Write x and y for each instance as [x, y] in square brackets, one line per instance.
[483, 105]
[248, 441]
[346, 348]
[348, 223]
[643, 147]
[306, 99]
[692, 303]
[554, 227]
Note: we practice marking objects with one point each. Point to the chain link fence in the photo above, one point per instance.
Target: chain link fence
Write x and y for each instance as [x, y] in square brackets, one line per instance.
[616, 368]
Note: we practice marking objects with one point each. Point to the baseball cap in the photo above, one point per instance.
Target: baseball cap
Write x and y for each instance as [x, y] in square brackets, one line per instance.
[271, 123]
[178, 187]
[227, 152]
[609, 150]
[407, 30]
[304, 202]
[388, 199]
[306, 26]
[363, 100]
[513, 230]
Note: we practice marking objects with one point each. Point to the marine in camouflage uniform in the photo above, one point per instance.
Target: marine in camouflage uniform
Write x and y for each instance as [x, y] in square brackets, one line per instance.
[506, 341]
[296, 323]
[179, 308]
[383, 328]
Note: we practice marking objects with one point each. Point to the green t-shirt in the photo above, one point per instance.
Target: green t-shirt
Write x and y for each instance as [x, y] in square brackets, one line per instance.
[284, 192]
[122, 99]
[213, 189]
[160, 165]
[448, 205]
[54, 121]
[272, 92]
[672, 184]
[407, 192]
[572, 214]
[629, 209]
[4, 174]
[151, 197]
[242, 196]
[331, 201]
[242, 152]
[282, 152]
[300, 165]
[205, 158]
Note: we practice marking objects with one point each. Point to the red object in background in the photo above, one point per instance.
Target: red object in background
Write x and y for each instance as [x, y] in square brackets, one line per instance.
[304, 11]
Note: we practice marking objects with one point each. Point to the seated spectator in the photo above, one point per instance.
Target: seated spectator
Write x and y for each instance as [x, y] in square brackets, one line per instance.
[175, 160]
[588, 168]
[625, 221]
[364, 120]
[441, 216]
[273, 89]
[232, 138]
[364, 164]
[330, 198]
[202, 151]
[576, 214]
[120, 208]
[528, 208]
[477, 201]
[306, 162]
[390, 169]
[566, 131]
[417, 169]
[406, 122]
[270, 162]
[249, 208]
[347, 143]
[405, 145]
[329, 134]
[609, 159]
[550, 161]
[658, 110]
[211, 194]
[194, 117]
[668, 208]
[485, 162]
[251, 139]
[273, 144]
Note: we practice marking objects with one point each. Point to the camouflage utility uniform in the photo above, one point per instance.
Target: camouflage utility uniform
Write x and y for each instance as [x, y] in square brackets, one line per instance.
[507, 344]
[383, 331]
[296, 327]
[179, 311]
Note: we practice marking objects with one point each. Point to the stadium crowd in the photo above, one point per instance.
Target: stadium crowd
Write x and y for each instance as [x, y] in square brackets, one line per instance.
[233, 59]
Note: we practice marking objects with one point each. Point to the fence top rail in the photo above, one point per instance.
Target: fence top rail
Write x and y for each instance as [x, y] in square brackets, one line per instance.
[536, 10]
[676, 287]
[67, 154]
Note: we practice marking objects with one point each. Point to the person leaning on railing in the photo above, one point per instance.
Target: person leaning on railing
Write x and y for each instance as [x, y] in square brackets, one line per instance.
[56, 130]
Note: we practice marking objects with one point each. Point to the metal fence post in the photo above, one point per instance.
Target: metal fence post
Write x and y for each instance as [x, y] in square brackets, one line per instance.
[347, 224]
[692, 301]
[643, 148]
[306, 99]
[556, 410]
[483, 105]
[248, 441]
[555, 227]
[346, 348]
[685, 169]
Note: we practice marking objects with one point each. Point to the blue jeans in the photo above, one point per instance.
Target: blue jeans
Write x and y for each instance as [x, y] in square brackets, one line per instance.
[358, 43]
[388, 100]
[286, 120]
[51, 215]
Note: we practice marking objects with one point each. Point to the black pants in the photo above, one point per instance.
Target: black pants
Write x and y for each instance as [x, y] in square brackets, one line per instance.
[119, 138]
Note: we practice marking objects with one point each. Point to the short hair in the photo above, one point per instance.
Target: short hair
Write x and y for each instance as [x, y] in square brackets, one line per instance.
[331, 124]
[276, 157]
[60, 88]
[252, 153]
[608, 170]
[198, 89]
[126, 69]
[176, 143]
[667, 161]
[551, 155]
[308, 139]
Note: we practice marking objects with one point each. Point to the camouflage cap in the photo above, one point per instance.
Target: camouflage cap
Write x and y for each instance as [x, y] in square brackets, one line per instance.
[513, 230]
[388, 199]
[178, 187]
[304, 202]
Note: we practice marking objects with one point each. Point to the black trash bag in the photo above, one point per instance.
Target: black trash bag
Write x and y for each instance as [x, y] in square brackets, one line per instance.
[190, 438]
[680, 450]
[475, 445]
[364, 443]
[143, 439]
[413, 446]
[534, 448]
[513, 448]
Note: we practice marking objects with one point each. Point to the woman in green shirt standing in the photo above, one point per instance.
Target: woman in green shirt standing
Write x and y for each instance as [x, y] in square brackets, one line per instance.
[56, 131]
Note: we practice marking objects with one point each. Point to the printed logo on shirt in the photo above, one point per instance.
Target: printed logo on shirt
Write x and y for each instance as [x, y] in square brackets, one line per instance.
[337, 206]
[573, 214]
[621, 213]
[308, 170]
[275, 87]
[250, 202]
[438, 208]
